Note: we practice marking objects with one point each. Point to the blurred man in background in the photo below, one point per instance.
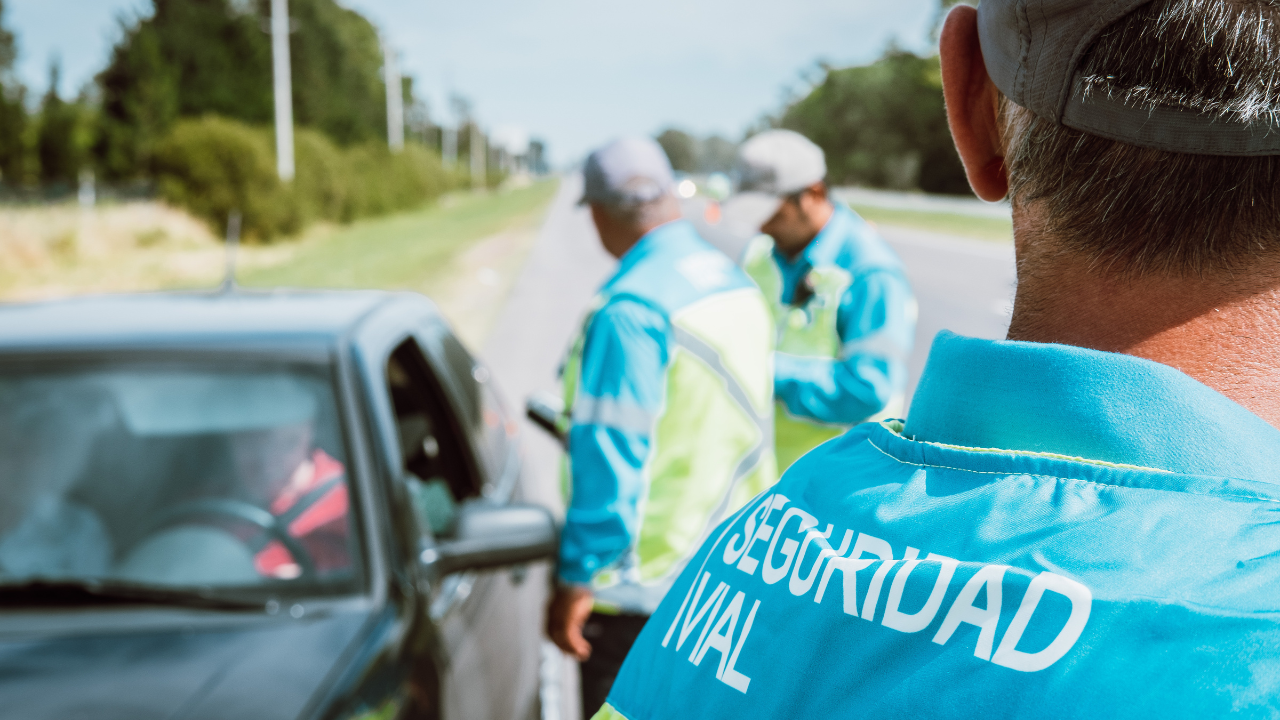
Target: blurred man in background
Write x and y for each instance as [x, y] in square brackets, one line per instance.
[1079, 521]
[845, 313]
[668, 396]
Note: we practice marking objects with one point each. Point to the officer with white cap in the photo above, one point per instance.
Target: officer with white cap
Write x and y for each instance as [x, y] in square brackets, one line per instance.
[844, 311]
[668, 403]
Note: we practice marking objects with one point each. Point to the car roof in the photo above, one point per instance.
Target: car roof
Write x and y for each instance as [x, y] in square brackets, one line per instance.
[257, 318]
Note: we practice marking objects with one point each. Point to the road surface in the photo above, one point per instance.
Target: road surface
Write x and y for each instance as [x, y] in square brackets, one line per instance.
[963, 285]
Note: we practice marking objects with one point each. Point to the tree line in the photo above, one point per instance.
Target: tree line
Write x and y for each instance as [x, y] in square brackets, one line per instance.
[882, 125]
[189, 59]
[185, 106]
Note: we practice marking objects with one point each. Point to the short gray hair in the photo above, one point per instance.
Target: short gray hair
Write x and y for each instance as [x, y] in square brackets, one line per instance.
[1138, 210]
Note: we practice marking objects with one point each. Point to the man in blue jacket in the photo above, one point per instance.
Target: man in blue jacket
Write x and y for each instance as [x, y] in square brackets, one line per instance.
[845, 314]
[1079, 521]
[668, 399]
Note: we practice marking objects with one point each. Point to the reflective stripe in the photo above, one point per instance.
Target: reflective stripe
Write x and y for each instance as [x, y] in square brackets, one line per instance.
[612, 413]
[707, 354]
[878, 344]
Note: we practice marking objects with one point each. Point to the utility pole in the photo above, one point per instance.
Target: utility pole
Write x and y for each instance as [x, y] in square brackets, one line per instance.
[395, 98]
[478, 157]
[283, 88]
[449, 145]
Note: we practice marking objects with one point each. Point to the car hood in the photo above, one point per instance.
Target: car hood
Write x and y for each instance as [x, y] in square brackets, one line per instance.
[262, 668]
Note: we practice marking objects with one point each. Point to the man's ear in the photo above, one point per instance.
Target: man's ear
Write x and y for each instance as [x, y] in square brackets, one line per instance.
[973, 104]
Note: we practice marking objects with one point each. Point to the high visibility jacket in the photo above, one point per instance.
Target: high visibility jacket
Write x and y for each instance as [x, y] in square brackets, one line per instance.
[842, 350]
[668, 397]
[1055, 533]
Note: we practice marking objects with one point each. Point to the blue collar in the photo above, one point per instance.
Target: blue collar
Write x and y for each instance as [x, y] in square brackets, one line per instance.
[1088, 404]
[825, 247]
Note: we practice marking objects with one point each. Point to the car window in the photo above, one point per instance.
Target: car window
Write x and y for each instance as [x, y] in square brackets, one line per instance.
[439, 470]
[175, 476]
[484, 415]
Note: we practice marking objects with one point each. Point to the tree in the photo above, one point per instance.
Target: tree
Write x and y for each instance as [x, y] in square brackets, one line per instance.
[193, 58]
[62, 136]
[882, 125]
[717, 155]
[140, 101]
[337, 72]
[13, 113]
[681, 149]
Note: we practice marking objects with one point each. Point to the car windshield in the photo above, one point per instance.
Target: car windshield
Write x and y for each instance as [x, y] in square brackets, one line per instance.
[176, 477]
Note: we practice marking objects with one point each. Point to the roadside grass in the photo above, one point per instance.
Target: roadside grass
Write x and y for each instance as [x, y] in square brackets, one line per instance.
[465, 245]
[413, 251]
[991, 229]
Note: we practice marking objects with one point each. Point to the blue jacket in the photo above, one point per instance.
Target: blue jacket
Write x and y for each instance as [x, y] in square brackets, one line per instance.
[974, 564]
[626, 349]
[876, 321]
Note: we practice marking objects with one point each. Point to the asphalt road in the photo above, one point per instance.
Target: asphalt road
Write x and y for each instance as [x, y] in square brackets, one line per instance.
[962, 285]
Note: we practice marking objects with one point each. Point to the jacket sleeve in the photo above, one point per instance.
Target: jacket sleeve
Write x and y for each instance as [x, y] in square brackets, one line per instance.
[624, 360]
[877, 322]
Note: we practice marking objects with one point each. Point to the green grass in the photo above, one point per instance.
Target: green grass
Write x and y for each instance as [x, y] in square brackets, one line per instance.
[962, 225]
[405, 250]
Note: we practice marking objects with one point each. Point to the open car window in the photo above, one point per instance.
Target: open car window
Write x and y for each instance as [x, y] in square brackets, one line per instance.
[438, 469]
[184, 477]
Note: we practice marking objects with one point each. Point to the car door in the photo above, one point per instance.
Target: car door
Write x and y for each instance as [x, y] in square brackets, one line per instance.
[488, 622]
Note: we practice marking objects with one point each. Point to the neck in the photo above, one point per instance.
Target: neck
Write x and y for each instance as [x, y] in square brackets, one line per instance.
[1222, 330]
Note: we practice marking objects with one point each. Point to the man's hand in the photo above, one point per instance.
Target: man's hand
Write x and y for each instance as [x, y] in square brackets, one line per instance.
[568, 613]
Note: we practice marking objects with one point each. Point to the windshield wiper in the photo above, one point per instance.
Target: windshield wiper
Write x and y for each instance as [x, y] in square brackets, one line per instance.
[35, 593]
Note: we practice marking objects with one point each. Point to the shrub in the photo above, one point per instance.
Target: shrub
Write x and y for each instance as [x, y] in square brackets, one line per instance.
[322, 186]
[213, 165]
[385, 182]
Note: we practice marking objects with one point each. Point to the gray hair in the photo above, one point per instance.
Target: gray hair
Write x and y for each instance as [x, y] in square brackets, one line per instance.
[1137, 210]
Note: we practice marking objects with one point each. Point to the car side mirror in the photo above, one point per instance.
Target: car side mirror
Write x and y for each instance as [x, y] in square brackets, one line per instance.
[492, 536]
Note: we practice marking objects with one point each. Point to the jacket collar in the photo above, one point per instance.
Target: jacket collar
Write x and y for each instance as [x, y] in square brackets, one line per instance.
[1088, 404]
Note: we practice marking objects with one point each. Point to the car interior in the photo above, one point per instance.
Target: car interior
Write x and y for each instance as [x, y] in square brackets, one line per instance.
[159, 500]
[439, 472]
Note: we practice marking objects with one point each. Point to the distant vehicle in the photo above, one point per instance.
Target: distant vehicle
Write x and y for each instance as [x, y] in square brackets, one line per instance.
[270, 506]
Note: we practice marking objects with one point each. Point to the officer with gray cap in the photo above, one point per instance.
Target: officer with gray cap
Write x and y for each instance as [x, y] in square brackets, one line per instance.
[845, 313]
[1078, 521]
[668, 398]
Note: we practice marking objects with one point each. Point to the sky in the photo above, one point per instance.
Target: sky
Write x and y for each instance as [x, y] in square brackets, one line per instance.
[575, 73]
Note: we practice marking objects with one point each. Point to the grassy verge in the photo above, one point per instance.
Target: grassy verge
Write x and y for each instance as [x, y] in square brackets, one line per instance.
[979, 228]
[408, 251]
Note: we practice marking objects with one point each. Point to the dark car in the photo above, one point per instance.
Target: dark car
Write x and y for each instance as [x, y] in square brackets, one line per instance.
[268, 506]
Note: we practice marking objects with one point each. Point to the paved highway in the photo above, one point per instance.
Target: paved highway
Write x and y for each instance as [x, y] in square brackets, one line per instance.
[963, 285]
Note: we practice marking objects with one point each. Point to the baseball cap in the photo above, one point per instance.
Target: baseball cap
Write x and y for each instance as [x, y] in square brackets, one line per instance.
[1034, 51]
[628, 171]
[771, 166]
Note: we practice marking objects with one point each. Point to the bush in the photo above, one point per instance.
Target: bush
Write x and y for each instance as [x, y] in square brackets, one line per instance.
[213, 165]
[322, 186]
[385, 182]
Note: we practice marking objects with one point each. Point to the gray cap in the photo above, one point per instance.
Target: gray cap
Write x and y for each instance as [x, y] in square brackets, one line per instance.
[629, 171]
[1034, 49]
[771, 166]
